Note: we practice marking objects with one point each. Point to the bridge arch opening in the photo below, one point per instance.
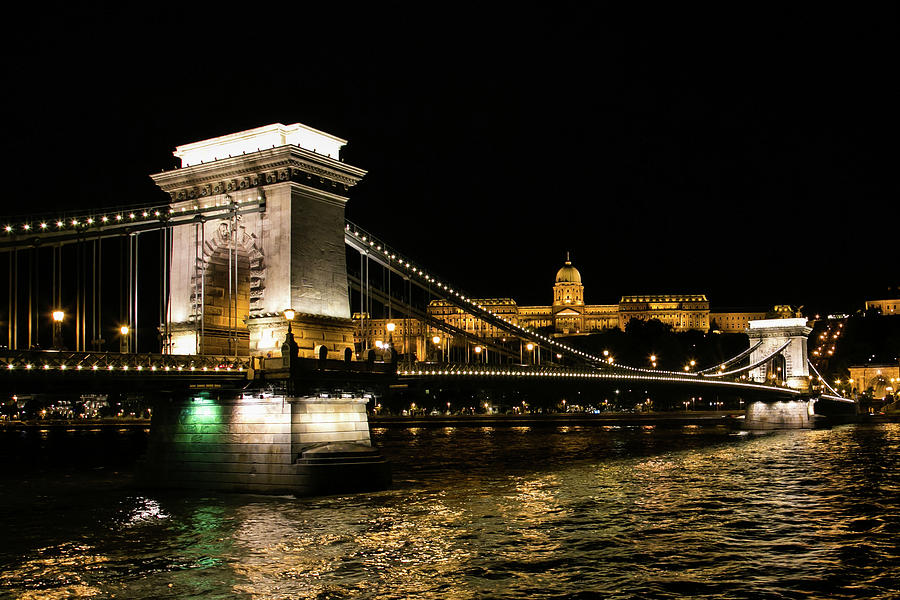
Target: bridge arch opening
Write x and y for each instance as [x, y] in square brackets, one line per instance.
[775, 372]
[226, 288]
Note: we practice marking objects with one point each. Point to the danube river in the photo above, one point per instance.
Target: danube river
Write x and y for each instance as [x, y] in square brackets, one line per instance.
[539, 512]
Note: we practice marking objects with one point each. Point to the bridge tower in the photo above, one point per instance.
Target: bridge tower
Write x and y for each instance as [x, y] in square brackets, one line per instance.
[281, 246]
[232, 279]
[790, 366]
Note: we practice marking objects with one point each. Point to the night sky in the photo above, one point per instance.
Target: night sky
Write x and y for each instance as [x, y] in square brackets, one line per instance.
[749, 157]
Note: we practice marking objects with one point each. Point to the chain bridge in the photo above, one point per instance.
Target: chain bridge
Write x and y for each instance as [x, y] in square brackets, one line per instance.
[245, 304]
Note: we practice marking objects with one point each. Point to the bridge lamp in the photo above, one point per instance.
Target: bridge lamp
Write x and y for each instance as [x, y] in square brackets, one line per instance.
[123, 342]
[289, 315]
[58, 316]
[436, 339]
[379, 344]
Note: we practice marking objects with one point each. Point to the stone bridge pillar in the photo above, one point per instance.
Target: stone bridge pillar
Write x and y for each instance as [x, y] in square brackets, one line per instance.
[232, 277]
[790, 366]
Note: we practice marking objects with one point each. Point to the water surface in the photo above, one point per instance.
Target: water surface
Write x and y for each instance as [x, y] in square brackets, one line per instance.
[542, 512]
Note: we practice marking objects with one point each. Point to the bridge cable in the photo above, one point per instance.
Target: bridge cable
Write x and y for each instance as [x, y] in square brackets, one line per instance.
[750, 367]
[732, 360]
[823, 380]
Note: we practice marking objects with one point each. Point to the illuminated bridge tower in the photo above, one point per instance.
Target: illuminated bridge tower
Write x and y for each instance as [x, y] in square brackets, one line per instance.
[232, 278]
[280, 245]
[788, 367]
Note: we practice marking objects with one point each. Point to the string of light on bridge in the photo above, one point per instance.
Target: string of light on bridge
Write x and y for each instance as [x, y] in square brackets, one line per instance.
[113, 216]
[120, 363]
[152, 368]
[548, 374]
[87, 221]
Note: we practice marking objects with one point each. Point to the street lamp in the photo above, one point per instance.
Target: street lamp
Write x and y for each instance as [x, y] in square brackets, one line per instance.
[58, 316]
[478, 351]
[289, 348]
[123, 340]
[530, 347]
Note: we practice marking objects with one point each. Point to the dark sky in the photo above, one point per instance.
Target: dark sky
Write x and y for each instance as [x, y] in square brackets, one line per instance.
[748, 156]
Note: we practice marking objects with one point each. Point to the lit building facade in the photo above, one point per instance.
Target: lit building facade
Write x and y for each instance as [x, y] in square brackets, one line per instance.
[883, 380]
[737, 321]
[455, 317]
[682, 312]
[404, 335]
[887, 307]
[570, 315]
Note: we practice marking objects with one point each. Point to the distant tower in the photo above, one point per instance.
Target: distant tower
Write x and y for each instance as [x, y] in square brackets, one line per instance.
[568, 300]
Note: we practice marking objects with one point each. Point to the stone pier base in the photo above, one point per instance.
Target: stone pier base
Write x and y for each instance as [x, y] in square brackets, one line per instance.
[300, 446]
[788, 414]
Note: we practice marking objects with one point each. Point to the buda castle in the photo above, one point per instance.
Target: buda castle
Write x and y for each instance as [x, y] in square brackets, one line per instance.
[568, 315]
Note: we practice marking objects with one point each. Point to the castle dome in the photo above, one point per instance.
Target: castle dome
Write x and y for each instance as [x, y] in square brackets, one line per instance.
[568, 274]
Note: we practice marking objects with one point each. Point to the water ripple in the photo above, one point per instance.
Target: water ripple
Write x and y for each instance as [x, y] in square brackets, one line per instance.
[578, 513]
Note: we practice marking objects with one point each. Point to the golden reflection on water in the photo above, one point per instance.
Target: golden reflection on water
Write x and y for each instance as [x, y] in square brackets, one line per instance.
[675, 516]
[404, 547]
[57, 572]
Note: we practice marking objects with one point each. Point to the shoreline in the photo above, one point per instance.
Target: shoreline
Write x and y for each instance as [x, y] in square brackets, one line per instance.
[75, 424]
[709, 418]
[661, 419]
